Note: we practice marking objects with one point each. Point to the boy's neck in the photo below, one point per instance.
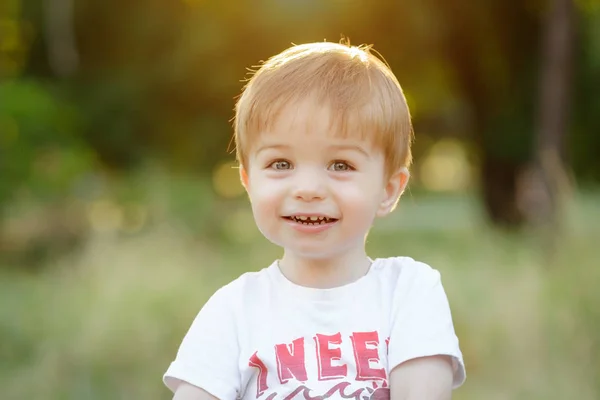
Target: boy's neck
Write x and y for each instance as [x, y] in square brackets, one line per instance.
[324, 273]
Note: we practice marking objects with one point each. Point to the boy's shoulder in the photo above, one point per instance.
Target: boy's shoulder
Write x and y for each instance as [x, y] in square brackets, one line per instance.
[404, 269]
[400, 272]
[248, 284]
[251, 279]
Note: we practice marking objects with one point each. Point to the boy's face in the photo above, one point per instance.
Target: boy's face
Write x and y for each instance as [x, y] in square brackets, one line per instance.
[314, 194]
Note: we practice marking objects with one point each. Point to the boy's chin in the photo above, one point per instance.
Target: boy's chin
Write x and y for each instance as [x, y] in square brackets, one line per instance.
[312, 253]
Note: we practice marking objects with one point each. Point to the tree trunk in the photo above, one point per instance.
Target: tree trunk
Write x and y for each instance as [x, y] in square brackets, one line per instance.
[547, 181]
[500, 107]
[63, 57]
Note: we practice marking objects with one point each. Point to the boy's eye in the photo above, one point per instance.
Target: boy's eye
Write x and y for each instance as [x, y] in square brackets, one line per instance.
[281, 164]
[340, 166]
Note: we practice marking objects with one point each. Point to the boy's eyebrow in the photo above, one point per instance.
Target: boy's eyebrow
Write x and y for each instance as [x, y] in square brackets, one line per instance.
[338, 147]
[271, 146]
[350, 147]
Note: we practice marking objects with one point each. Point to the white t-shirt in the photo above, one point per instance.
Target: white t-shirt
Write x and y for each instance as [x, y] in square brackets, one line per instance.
[264, 337]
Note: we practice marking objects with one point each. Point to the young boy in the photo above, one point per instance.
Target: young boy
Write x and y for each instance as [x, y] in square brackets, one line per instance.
[323, 138]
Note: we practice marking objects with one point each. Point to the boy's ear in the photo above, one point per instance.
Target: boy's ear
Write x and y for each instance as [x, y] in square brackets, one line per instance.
[244, 177]
[392, 191]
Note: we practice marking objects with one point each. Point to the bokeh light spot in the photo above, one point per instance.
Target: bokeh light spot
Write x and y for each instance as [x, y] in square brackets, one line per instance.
[446, 167]
[135, 218]
[226, 180]
[105, 216]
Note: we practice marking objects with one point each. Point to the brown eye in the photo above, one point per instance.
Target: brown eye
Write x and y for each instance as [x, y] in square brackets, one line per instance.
[281, 165]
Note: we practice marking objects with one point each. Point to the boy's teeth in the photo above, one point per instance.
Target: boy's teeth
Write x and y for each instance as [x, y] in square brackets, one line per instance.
[311, 220]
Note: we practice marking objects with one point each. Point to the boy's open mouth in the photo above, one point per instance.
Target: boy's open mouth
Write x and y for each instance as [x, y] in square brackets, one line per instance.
[310, 220]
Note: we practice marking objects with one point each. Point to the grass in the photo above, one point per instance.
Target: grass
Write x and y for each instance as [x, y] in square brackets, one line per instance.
[105, 322]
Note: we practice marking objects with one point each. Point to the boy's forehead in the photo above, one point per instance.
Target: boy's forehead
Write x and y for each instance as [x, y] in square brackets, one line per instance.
[311, 122]
[307, 138]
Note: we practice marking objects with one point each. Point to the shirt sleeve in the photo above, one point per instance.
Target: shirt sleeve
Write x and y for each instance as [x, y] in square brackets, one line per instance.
[209, 353]
[422, 322]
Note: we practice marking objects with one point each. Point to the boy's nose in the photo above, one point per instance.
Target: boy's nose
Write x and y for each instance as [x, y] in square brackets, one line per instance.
[309, 187]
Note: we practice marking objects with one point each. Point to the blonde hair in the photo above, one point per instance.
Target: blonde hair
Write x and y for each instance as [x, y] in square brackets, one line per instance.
[363, 94]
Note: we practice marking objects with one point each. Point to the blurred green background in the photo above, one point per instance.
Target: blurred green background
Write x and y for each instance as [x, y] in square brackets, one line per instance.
[121, 212]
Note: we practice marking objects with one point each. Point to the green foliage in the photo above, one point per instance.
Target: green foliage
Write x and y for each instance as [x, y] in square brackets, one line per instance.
[108, 109]
[41, 152]
[584, 141]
